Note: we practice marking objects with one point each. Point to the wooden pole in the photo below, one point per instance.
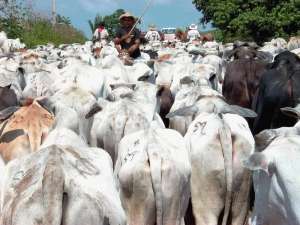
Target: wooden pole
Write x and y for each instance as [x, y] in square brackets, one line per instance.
[144, 12]
[53, 12]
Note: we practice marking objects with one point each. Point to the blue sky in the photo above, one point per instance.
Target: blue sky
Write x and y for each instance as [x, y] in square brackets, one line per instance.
[163, 13]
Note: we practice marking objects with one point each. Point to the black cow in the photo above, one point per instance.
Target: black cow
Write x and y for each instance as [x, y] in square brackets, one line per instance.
[279, 87]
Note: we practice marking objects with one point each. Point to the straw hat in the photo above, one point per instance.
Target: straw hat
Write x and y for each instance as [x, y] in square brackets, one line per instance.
[126, 15]
[193, 26]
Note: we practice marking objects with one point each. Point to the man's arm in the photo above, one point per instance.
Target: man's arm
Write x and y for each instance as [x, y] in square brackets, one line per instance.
[135, 46]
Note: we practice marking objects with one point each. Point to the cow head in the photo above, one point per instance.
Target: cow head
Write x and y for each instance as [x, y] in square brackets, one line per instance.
[243, 52]
[121, 90]
[287, 61]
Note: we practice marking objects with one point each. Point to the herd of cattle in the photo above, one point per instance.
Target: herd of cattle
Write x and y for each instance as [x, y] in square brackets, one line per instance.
[167, 140]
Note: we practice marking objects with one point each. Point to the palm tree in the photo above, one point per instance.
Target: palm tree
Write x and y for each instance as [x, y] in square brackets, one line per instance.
[63, 20]
[93, 25]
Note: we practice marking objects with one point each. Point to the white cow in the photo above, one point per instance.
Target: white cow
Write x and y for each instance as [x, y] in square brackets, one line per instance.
[294, 43]
[276, 182]
[153, 170]
[219, 66]
[131, 113]
[217, 146]
[57, 183]
[191, 101]
[87, 77]
[70, 106]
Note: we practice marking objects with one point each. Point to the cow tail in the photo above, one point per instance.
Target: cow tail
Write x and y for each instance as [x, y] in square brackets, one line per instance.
[53, 189]
[226, 144]
[155, 162]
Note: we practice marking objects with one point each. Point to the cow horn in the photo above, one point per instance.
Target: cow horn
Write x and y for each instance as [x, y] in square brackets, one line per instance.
[95, 109]
[292, 112]
[6, 113]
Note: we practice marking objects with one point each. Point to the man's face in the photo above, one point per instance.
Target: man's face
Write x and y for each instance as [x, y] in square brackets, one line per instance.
[127, 22]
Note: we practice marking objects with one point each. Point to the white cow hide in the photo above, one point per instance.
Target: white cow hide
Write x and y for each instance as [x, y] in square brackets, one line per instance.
[153, 170]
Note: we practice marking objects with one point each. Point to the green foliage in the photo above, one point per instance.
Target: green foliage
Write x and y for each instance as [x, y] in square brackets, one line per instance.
[251, 20]
[63, 20]
[111, 21]
[94, 24]
[41, 31]
[10, 18]
[19, 22]
[12, 27]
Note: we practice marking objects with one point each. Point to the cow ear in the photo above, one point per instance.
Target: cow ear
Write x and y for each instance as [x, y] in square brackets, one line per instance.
[21, 70]
[257, 161]
[8, 86]
[144, 78]
[6, 113]
[47, 104]
[292, 112]
[186, 80]
[160, 91]
[95, 109]
[114, 86]
[185, 111]
[264, 138]
[247, 113]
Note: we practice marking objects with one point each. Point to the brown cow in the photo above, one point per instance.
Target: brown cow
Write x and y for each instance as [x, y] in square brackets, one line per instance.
[24, 131]
[242, 77]
[207, 37]
[166, 102]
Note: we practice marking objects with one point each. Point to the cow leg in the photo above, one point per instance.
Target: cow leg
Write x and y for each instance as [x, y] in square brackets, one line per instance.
[208, 192]
[240, 206]
[137, 194]
[176, 189]
[80, 208]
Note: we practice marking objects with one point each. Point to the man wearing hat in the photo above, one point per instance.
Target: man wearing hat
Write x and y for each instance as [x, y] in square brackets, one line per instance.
[126, 41]
[101, 34]
[152, 35]
[193, 33]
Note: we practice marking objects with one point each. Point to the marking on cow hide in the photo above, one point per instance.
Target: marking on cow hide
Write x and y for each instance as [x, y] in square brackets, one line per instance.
[130, 155]
[11, 135]
[83, 165]
[137, 142]
[200, 125]
[19, 186]
[24, 179]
